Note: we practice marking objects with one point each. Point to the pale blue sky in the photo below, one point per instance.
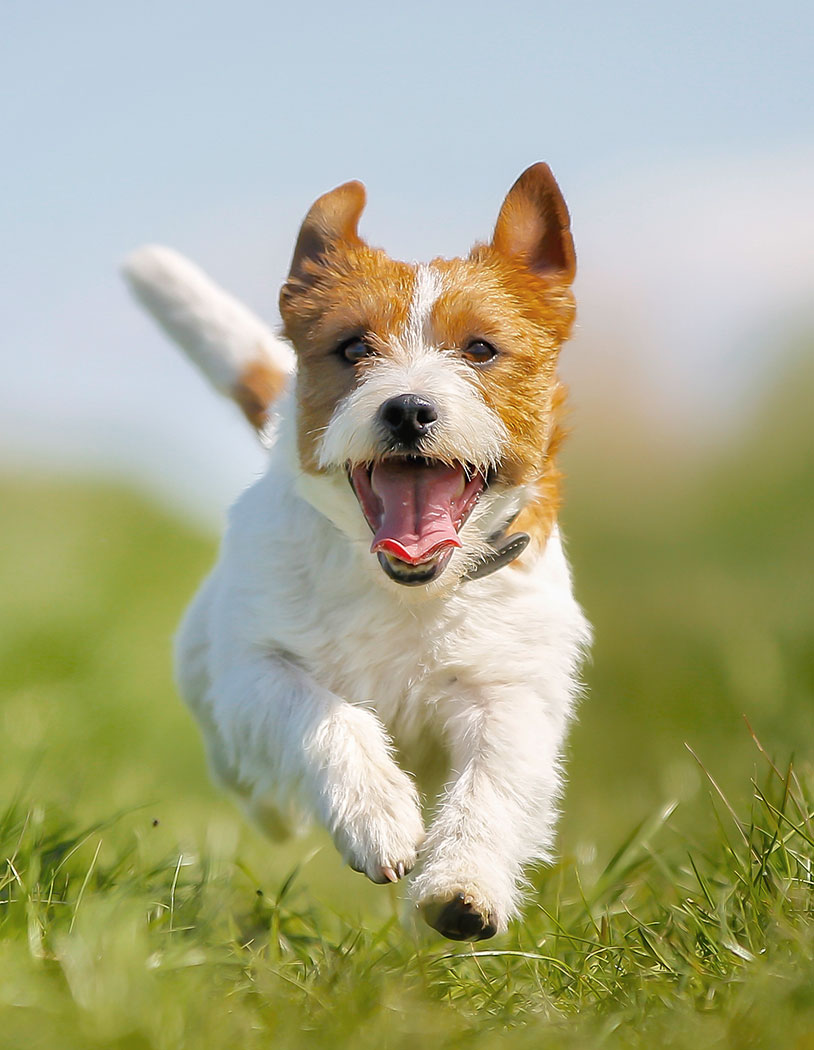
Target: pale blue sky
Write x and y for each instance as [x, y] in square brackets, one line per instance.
[128, 115]
[211, 126]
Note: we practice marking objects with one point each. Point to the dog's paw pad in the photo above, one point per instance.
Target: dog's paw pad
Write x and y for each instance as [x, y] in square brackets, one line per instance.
[459, 918]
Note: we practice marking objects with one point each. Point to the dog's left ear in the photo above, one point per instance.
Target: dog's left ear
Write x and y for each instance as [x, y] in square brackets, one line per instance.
[533, 227]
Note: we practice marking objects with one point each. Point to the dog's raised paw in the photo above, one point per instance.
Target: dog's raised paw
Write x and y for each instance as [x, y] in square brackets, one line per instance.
[459, 918]
[384, 839]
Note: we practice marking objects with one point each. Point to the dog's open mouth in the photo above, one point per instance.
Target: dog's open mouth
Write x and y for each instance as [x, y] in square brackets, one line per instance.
[415, 508]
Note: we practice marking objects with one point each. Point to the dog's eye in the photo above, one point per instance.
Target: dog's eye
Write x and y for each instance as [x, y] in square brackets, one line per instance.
[479, 352]
[354, 350]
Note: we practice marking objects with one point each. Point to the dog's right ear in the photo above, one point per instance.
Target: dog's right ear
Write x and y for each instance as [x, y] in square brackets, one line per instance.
[331, 223]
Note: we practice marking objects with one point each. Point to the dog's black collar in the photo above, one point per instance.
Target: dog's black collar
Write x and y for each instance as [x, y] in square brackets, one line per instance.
[504, 551]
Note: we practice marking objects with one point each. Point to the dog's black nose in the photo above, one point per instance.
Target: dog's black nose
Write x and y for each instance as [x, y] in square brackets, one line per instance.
[408, 417]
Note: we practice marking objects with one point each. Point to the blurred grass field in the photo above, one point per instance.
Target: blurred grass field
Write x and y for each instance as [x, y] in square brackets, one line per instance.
[137, 909]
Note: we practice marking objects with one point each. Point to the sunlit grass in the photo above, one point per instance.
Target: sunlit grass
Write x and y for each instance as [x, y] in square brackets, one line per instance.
[104, 943]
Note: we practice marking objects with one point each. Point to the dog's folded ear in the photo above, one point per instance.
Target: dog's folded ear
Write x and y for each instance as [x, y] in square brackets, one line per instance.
[533, 227]
[332, 221]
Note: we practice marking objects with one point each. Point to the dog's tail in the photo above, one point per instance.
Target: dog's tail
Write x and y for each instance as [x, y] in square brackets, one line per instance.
[236, 351]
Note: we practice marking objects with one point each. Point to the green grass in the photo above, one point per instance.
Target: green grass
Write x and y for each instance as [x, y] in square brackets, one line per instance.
[108, 942]
[138, 910]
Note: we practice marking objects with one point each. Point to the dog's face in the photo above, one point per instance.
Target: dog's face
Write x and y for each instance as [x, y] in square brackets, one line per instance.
[432, 388]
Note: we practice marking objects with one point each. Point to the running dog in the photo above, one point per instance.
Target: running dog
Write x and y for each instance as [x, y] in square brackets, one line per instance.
[394, 588]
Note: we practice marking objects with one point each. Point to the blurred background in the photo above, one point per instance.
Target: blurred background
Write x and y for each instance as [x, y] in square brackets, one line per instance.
[682, 138]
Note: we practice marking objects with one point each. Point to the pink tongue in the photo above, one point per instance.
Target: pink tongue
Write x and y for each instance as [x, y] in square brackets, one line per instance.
[418, 506]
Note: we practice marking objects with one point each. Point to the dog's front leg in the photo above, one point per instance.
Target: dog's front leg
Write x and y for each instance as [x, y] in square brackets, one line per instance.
[284, 735]
[498, 812]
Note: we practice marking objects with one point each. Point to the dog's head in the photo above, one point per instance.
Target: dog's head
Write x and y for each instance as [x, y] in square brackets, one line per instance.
[432, 388]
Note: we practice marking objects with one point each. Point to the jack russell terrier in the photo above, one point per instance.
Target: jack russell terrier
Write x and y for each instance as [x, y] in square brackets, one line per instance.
[392, 594]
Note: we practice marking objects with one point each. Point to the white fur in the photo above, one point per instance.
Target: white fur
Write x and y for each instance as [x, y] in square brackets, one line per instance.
[307, 668]
[429, 284]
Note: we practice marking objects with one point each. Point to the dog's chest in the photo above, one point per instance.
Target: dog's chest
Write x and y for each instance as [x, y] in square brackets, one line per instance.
[366, 646]
[310, 591]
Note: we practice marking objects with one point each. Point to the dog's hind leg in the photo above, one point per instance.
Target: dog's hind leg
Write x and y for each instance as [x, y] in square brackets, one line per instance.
[191, 663]
[276, 820]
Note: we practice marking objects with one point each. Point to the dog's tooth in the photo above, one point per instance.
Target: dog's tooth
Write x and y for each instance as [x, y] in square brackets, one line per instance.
[400, 869]
[390, 875]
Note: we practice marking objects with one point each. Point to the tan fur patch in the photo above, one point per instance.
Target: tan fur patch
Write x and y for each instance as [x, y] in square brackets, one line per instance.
[259, 385]
[539, 516]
